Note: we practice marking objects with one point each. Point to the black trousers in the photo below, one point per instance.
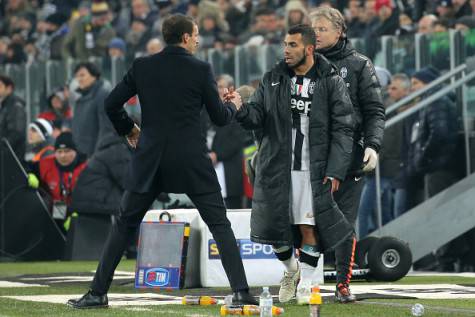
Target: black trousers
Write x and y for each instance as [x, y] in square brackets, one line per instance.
[348, 200]
[132, 210]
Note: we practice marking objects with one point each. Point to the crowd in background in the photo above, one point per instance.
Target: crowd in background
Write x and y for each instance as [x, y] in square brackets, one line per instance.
[73, 136]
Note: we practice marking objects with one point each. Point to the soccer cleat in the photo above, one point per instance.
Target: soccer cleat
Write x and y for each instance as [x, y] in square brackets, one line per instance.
[343, 294]
[288, 286]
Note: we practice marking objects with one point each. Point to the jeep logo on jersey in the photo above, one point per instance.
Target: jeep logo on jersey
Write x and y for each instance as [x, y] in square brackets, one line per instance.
[300, 105]
[343, 72]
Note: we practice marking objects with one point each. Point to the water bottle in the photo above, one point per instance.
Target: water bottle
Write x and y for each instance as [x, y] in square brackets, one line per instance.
[265, 302]
[315, 302]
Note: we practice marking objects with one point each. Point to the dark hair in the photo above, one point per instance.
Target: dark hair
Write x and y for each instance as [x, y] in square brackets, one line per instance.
[308, 34]
[7, 81]
[175, 26]
[90, 67]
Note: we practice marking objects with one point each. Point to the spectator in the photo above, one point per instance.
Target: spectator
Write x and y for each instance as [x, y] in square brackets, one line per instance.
[15, 54]
[236, 15]
[264, 30]
[59, 112]
[462, 8]
[399, 88]
[51, 35]
[426, 24]
[117, 48]
[90, 121]
[209, 32]
[295, 13]
[356, 26]
[154, 46]
[59, 173]
[406, 25]
[137, 37]
[141, 10]
[4, 42]
[101, 184]
[39, 140]
[12, 117]
[90, 35]
[465, 23]
[441, 26]
[433, 137]
[445, 9]
[227, 157]
[388, 18]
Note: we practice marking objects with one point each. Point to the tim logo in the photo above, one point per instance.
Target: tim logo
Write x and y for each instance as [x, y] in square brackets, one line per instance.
[157, 277]
[247, 248]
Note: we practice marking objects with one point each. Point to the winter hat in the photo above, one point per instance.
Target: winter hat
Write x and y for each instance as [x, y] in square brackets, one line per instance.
[382, 3]
[384, 76]
[426, 74]
[444, 3]
[117, 42]
[99, 8]
[65, 141]
[43, 127]
[57, 19]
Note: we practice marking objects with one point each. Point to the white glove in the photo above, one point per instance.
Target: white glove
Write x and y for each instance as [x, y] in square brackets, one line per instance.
[370, 159]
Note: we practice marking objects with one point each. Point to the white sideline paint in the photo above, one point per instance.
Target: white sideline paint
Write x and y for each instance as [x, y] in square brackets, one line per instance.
[144, 299]
[18, 284]
[119, 275]
[422, 291]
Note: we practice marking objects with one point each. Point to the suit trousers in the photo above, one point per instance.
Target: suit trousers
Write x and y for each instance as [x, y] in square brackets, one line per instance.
[132, 210]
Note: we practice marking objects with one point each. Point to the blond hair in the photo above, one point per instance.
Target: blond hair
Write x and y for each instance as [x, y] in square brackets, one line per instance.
[331, 14]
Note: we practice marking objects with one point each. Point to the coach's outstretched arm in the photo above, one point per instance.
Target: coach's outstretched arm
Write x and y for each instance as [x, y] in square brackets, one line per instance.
[252, 114]
[219, 113]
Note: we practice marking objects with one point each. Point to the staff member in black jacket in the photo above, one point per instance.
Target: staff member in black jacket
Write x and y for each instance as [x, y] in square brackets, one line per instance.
[170, 152]
[304, 113]
[365, 92]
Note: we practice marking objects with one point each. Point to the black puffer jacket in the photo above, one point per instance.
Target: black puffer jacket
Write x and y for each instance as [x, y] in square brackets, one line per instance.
[13, 123]
[100, 186]
[365, 93]
[433, 137]
[330, 140]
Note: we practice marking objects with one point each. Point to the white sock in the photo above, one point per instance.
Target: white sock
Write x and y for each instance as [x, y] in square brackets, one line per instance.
[291, 264]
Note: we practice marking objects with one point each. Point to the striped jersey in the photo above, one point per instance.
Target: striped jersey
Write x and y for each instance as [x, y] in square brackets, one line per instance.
[301, 95]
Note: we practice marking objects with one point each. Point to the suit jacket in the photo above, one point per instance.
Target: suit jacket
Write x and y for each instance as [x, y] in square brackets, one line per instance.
[171, 155]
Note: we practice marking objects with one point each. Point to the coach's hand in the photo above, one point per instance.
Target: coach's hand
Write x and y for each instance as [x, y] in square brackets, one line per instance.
[133, 136]
[236, 99]
[335, 183]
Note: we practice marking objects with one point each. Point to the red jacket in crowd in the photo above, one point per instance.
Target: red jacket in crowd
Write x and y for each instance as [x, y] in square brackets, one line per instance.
[60, 181]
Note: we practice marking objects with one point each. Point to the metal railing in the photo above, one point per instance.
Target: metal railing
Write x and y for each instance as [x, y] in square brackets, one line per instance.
[468, 74]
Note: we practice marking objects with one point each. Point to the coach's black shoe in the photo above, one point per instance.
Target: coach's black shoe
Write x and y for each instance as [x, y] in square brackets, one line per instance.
[244, 298]
[89, 301]
[343, 294]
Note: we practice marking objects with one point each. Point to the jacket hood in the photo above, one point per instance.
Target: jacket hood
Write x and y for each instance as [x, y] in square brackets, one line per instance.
[340, 50]
[323, 66]
[109, 139]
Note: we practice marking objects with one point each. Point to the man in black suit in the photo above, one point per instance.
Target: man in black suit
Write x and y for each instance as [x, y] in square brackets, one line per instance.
[170, 152]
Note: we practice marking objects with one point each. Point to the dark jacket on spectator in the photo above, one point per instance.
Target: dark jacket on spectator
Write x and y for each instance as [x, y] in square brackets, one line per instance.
[365, 93]
[90, 121]
[75, 42]
[464, 10]
[433, 137]
[13, 123]
[100, 186]
[390, 158]
[330, 139]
